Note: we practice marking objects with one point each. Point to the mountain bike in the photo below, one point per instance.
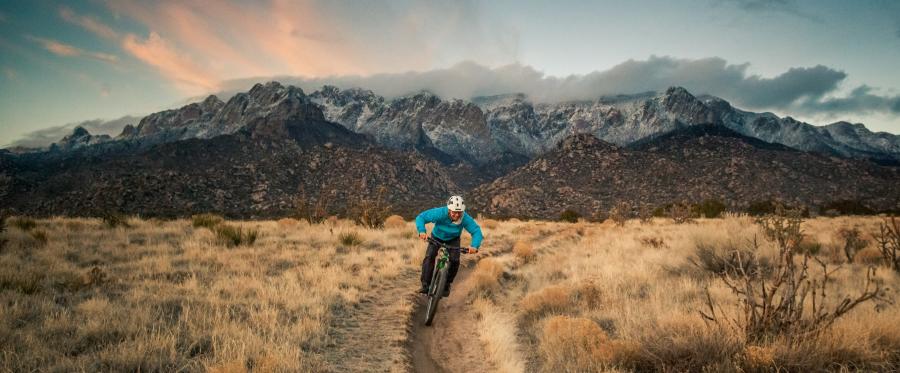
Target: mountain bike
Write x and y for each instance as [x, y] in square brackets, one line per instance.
[439, 278]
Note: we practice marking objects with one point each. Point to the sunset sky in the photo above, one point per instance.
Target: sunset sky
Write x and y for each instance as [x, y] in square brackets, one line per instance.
[819, 61]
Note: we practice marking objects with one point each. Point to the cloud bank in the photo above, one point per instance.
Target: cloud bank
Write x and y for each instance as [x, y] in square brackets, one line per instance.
[802, 90]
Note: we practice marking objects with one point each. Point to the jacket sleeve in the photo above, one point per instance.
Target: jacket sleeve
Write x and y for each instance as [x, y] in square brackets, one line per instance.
[423, 218]
[475, 230]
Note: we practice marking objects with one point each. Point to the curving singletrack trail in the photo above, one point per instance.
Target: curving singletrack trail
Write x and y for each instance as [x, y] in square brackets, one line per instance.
[385, 331]
[451, 343]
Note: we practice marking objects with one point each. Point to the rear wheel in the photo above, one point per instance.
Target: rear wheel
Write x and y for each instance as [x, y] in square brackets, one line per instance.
[435, 294]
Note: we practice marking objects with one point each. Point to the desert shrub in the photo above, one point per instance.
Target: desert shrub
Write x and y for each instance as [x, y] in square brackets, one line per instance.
[852, 242]
[551, 299]
[730, 259]
[371, 211]
[645, 213]
[710, 208]
[790, 303]
[114, 220]
[486, 276]
[349, 238]
[489, 223]
[569, 215]
[847, 207]
[888, 239]
[587, 295]
[577, 344]
[758, 357]
[620, 213]
[207, 220]
[39, 236]
[654, 242]
[313, 207]
[809, 246]
[681, 213]
[288, 222]
[230, 235]
[394, 222]
[682, 346]
[523, 250]
[22, 222]
[868, 256]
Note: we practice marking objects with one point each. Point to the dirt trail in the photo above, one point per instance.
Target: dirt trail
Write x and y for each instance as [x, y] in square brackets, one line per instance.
[451, 343]
[372, 335]
[385, 332]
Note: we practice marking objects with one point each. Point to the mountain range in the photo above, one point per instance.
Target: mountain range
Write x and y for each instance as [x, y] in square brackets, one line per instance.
[249, 156]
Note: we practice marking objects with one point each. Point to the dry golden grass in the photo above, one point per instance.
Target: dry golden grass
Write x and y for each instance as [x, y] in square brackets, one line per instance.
[524, 250]
[644, 297]
[166, 296]
[489, 223]
[486, 276]
[394, 222]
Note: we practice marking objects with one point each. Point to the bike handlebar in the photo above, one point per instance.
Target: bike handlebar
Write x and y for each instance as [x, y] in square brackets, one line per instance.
[439, 243]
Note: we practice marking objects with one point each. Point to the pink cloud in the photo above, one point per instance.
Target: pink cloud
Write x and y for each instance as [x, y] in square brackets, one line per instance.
[88, 23]
[173, 64]
[66, 50]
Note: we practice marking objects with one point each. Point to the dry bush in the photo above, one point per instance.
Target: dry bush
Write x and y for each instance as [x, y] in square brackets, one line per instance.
[681, 213]
[868, 256]
[654, 242]
[679, 345]
[350, 238]
[730, 259]
[489, 223]
[486, 276]
[620, 213]
[577, 344]
[759, 357]
[551, 299]
[497, 331]
[231, 236]
[888, 239]
[852, 242]
[114, 220]
[371, 211]
[22, 222]
[569, 215]
[790, 304]
[645, 213]
[394, 222]
[524, 250]
[314, 208]
[39, 236]
[209, 221]
[288, 223]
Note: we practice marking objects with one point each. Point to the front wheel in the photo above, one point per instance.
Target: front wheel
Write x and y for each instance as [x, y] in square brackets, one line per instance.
[435, 294]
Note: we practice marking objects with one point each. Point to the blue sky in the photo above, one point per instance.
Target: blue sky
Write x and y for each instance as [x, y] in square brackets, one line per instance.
[819, 61]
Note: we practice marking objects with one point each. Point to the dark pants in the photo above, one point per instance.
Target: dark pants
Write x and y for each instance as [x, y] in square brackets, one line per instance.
[431, 255]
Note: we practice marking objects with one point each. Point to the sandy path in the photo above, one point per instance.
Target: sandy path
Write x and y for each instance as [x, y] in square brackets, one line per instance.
[372, 335]
[385, 331]
[451, 343]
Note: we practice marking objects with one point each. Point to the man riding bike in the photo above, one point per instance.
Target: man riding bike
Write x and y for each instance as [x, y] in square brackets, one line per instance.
[449, 222]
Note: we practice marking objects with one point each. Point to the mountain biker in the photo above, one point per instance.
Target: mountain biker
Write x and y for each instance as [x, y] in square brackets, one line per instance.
[449, 222]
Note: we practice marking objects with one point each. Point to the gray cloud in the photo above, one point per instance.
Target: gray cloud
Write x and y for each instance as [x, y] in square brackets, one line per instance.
[860, 100]
[788, 7]
[45, 137]
[799, 90]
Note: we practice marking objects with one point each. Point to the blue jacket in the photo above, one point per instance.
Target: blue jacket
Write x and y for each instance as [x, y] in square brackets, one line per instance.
[444, 228]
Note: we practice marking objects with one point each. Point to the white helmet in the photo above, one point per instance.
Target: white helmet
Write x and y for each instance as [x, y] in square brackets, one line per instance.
[456, 204]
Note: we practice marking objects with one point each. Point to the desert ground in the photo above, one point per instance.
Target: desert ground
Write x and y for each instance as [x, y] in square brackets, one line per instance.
[271, 296]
